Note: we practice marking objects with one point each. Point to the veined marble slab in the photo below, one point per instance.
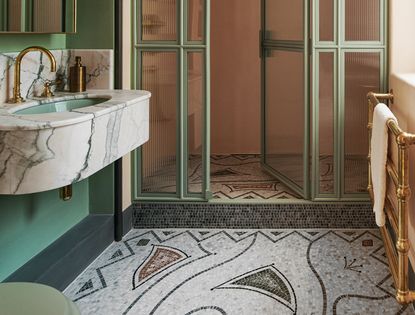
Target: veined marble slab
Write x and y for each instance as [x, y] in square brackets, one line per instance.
[35, 71]
[41, 152]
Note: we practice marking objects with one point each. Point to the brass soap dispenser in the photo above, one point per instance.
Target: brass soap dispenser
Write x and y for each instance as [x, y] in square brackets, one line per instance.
[77, 76]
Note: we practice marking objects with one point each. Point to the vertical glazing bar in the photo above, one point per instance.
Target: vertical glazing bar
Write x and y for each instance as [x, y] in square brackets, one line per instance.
[139, 151]
[185, 123]
[182, 118]
[315, 176]
[206, 131]
[340, 123]
[306, 155]
[263, 56]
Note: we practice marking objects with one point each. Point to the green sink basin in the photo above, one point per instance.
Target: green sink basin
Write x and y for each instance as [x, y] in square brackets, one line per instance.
[62, 106]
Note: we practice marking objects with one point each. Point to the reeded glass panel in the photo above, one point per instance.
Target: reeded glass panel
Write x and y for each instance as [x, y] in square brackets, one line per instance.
[326, 122]
[47, 16]
[159, 76]
[195, 105]
[284, 105]
[326, 16]
[195, 28]
[362, 75]
[284, 19]
[14, 16]
[362, 20]
[158, 18]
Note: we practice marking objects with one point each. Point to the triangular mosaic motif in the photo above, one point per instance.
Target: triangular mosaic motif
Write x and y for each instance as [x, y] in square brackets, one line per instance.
[118, 253]
[87, 286]
[160, 258]
[267, 281]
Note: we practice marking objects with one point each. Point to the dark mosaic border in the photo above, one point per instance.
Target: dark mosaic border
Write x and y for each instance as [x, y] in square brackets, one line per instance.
[259, 216]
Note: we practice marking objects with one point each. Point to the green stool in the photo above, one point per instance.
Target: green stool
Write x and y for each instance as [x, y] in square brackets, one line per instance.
[34, 299]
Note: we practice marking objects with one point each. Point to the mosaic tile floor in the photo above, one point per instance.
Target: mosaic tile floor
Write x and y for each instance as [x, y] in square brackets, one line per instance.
[238, 272]
[240, 176]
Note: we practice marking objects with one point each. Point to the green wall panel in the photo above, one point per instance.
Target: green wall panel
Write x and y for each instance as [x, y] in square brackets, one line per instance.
[17, 42]
[101, 191]
[95, 25]
[29, 223]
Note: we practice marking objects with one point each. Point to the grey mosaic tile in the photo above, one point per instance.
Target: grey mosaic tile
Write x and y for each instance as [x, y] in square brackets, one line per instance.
[240, 272]
[278, 216]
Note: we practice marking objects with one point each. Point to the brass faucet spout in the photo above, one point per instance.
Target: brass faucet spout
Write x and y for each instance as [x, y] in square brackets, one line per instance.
[17, 97]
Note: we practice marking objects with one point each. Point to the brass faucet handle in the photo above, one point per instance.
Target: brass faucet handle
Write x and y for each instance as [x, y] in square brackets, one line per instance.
[47, 92]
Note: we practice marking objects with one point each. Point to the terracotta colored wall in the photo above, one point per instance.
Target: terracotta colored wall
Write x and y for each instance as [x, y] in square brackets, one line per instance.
[235, 76]
[402, 81]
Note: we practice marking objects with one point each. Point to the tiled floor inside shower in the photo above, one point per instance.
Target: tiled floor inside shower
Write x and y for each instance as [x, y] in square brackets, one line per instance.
[240, 176]
[240, 271]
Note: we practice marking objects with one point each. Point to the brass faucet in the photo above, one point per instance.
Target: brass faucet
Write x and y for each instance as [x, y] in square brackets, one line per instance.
[17, 97]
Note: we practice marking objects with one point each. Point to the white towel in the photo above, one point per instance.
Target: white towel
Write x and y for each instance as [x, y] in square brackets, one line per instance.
[379, 155]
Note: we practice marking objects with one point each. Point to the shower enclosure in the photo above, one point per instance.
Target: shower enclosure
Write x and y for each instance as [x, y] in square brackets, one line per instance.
[319, 59]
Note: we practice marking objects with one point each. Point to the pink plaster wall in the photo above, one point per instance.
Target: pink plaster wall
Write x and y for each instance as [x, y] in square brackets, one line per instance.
[235, 76]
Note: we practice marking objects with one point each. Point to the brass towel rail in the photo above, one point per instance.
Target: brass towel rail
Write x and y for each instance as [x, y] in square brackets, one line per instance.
[397, 253]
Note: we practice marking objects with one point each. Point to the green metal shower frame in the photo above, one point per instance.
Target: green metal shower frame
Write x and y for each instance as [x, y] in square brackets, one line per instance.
[313, 46]
[182, 46]
[339, 46]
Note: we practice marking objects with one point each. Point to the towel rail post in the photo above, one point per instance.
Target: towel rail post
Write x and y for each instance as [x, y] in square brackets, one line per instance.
[402, 245]
[398, 256]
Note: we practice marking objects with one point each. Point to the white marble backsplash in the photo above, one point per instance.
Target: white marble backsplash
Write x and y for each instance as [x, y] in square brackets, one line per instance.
[36, 71]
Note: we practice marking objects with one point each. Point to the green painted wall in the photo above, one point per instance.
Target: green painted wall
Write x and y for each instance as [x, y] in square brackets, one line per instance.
[29, 223]
[95, 25]
[16, 42]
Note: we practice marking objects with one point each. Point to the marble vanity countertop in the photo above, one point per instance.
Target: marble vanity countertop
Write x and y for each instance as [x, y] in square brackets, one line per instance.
[40, 152]
[118, 99]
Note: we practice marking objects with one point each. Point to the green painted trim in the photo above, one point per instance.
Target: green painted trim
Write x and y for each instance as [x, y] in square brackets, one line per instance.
[162, 45]
[29, 15]
[307, 100]
[207, 119]
[4, 16]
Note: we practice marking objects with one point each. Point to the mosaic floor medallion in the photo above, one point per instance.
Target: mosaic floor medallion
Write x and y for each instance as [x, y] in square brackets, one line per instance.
[239, 272]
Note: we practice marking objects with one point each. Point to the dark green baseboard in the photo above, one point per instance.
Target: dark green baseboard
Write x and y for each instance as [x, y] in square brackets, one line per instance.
[61, 262]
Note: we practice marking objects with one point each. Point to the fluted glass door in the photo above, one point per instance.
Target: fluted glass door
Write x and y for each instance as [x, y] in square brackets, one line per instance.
[285, 102]
[172, 62]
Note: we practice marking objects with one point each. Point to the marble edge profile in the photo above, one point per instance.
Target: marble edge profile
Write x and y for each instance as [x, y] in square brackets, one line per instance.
[117, 99]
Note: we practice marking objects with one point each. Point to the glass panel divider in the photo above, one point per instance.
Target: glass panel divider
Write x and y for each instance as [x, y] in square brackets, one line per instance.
[182, 46]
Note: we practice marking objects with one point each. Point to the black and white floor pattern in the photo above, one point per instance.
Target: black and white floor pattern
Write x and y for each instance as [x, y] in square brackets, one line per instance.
[240, 176]
[239, 272]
